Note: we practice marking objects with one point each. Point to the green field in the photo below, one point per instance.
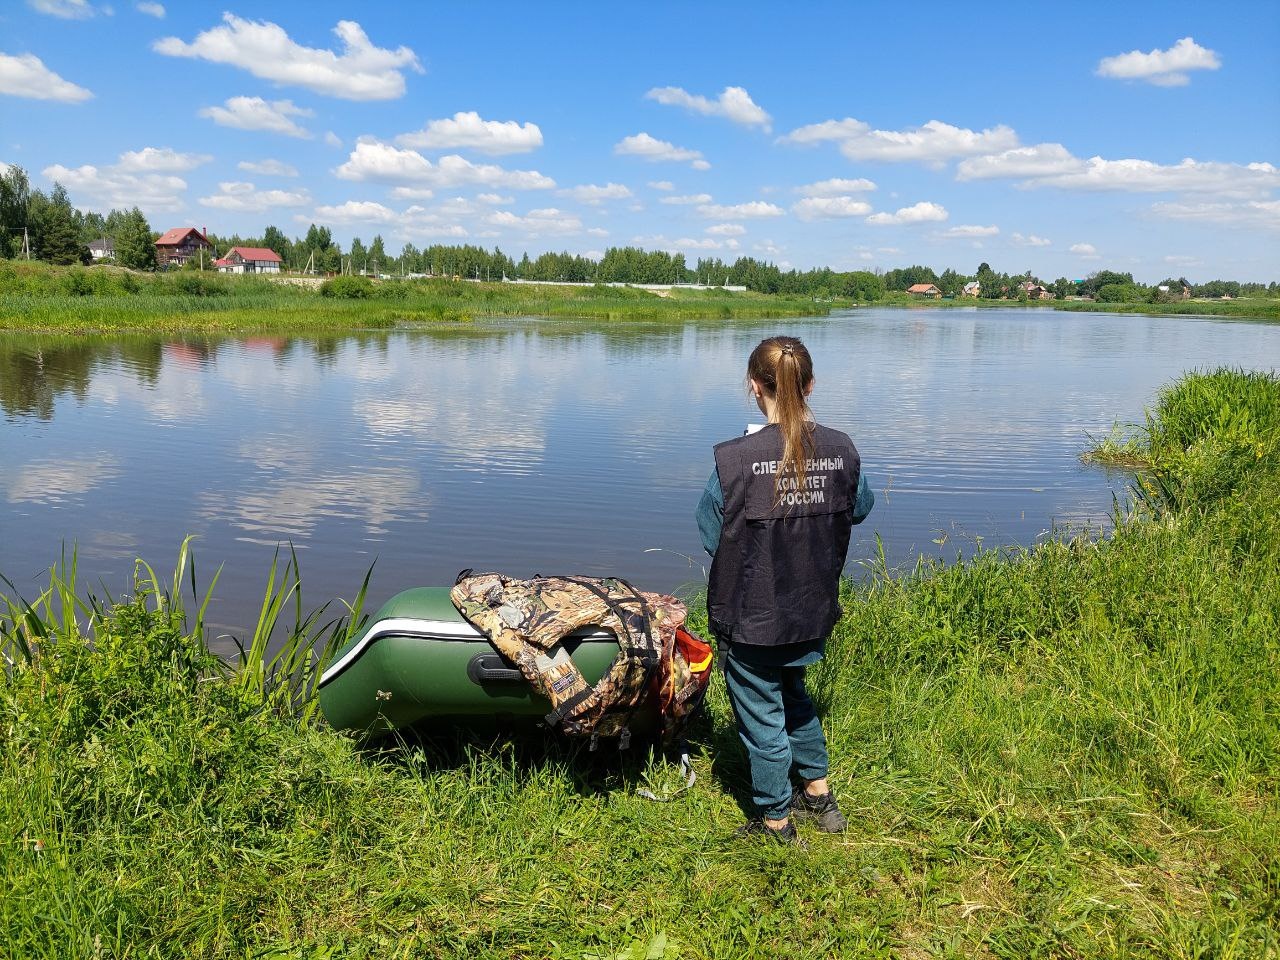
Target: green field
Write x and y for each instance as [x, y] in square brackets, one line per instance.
[1069, 751]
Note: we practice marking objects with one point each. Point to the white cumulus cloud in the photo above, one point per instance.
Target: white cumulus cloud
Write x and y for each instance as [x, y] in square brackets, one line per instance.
[829, 208]
[25, 75]
[65, 9]
[662, 185]
[355, 211]
[150, 9]
[268, 168]
[1246, 214]
[1085, 251]
[594, 194]
[658, 151]
[104, 188]
[536, 222]
[752, 210]
[687, 199]
[467, 131]
[373, 160]
[734, 103]
[160, 160]
[726, 230]
[1051, 164]
[1164, 68]
[361, 71]
[1041, 160]
[971, 230]
[934, 143]
[145, 178]
[922, 212]
[255, 113]
[247, 198]
[836, 187]
[1030, 240]
[660, 241]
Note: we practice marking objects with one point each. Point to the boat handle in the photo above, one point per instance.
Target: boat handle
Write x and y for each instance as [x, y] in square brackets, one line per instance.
[490, 666]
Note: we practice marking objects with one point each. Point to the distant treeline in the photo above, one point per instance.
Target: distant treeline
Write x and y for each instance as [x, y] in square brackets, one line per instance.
[47, 227]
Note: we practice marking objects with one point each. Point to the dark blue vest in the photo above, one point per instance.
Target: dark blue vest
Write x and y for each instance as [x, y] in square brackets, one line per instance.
[775, 578]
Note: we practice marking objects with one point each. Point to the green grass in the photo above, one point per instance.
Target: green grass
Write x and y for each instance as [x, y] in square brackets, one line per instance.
[36, 298]
[1249, 308]
[1070, 751]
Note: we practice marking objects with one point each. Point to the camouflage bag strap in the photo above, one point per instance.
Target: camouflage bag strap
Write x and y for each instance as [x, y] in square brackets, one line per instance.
[648, 650]
[646, 653]
[584, 699]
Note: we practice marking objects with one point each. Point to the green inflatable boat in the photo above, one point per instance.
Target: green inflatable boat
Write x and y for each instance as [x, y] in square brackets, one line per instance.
[419, 661]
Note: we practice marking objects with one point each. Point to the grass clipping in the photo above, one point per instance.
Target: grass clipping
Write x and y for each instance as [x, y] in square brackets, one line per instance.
[1070, 751]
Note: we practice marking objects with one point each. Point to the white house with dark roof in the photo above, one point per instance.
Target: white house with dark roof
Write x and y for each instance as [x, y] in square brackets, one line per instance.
[249, 260]
[104, 248]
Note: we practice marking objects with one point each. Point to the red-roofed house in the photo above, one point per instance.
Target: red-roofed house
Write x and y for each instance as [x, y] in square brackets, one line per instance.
[924, 290]
[249, 260]
[175, 247]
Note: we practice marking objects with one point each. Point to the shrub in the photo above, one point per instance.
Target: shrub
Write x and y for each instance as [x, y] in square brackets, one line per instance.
[347, 288]
[1120, 293]
[197, 284]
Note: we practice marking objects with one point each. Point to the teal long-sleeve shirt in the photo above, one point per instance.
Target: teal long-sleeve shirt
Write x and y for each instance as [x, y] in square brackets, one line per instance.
[710, 512]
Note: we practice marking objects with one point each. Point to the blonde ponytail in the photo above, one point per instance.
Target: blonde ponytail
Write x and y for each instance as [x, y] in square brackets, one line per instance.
[783, 368]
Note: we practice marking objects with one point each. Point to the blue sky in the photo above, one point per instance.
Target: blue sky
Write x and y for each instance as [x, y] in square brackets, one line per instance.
[1051, 137]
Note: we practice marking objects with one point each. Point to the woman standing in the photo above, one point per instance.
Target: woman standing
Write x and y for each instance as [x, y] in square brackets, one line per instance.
[776, 517]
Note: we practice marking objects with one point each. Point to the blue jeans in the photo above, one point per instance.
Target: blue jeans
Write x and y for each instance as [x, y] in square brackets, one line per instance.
[778, 726]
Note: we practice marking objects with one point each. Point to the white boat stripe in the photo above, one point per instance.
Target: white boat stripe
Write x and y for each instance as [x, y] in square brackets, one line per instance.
[419, 629]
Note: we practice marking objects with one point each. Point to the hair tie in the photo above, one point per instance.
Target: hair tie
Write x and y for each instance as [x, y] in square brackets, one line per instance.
[788, 349]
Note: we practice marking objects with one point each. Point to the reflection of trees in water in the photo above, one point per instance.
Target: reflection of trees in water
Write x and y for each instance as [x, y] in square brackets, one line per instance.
[36, 371]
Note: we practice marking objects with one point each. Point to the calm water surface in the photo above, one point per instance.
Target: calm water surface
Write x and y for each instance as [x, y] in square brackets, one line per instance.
[544, 446]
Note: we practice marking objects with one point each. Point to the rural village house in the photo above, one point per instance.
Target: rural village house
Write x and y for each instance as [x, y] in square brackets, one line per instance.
[1035, 291]
[971, 289]
[104, 248]
[249, 260]
[924, 290]
[175, 247]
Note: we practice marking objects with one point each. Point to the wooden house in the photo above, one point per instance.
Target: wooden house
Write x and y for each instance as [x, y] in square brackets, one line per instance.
[175, 247]
[249, 260]
[972, 289]
[925, 290]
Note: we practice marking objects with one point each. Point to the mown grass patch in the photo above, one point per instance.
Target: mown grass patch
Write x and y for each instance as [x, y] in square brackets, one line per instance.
[1068, 751]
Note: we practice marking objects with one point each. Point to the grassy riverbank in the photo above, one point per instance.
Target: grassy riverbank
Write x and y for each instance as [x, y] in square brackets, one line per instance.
[1248, 308]
[42, 299]
[1072, 751]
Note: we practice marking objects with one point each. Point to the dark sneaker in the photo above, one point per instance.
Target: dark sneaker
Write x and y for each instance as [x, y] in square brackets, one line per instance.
[785, 835]
[822, 810]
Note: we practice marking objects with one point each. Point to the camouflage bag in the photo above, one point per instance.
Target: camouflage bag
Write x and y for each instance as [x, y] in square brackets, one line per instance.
[660, 668]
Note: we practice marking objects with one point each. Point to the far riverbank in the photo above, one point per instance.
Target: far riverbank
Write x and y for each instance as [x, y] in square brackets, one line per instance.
[37, 298]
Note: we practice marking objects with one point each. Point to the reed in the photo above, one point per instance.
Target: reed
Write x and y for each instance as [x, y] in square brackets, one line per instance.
[1065, 751]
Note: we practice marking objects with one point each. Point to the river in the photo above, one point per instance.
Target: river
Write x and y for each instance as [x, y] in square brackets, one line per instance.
[541, 446]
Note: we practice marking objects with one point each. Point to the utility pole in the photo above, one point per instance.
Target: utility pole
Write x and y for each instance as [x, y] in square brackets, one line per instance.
[26, 243]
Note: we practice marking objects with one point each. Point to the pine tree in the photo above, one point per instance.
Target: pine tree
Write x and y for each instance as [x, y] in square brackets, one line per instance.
[59, 233]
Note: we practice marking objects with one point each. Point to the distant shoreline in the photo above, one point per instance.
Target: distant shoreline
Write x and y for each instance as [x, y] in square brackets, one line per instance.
[42, 299]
